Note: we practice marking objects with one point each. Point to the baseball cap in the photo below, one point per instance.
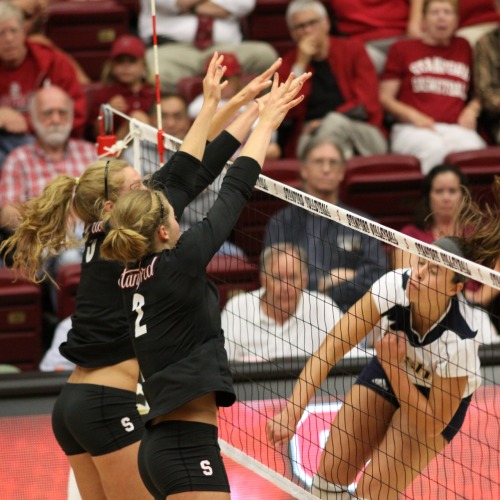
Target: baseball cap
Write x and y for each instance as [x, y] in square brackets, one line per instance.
[231, 62]
[129, 45]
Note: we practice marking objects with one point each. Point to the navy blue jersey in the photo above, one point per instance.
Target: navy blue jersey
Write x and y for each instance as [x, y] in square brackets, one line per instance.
[174, 309]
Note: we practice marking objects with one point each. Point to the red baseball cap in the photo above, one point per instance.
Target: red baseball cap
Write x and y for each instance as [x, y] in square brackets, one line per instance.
[231, 62]
[128, 45]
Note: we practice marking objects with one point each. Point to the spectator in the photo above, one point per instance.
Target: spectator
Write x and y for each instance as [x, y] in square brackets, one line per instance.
[343, 262]
[378, 24]
[24, 67]
[426, 85]
[478, 18]
[282, 319]
[217, 23]
[29, 168]
[443, 190]
[175, 122]
[235, 83]
[487, 80]
[340, 100]
[35, 17]
[125, 83]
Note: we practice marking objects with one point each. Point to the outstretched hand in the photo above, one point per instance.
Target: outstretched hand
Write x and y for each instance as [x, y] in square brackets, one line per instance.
[262, 82]
[274, 106]
[212, 86]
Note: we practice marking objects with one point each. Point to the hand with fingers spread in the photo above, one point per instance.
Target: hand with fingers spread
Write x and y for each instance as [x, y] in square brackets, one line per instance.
[258, 84]
[212, 86]
[282, 97]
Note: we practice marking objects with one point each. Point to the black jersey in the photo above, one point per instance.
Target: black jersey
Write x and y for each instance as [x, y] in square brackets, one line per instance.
[174, 309]
[99, 335]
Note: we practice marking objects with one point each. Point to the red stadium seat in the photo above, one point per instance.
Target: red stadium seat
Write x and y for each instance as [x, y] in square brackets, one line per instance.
[386, 187]
[190, 87]
[20, 321]
[87, 31]
[232, 275]
[249, 230]
[480, 166]
[286, 171]
[68, 278]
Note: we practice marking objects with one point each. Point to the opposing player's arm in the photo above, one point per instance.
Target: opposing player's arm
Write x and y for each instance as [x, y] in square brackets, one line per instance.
[345, 335]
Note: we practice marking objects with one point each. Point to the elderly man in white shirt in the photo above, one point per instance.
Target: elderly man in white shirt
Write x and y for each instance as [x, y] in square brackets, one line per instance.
[281, 319]
[182, 54]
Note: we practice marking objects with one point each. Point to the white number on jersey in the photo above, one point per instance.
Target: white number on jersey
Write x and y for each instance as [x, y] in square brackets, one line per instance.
[90, 251]
[137, 305]
[206, 467]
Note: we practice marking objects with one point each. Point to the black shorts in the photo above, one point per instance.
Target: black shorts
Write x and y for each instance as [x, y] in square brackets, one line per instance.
[95, 419]
[374, 377]
[178, 456]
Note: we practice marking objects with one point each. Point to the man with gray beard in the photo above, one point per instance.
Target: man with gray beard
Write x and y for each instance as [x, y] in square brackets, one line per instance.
[29, 168]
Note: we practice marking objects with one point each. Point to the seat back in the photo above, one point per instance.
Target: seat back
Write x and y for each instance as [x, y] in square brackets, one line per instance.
[20, 321]
[87, 31]
[68, 279]
[232, 275]
[481, 166]
[386, 187]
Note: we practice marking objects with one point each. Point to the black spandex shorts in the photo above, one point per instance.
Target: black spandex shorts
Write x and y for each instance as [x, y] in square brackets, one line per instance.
[374, 377]
[95, 419]
[178, 456]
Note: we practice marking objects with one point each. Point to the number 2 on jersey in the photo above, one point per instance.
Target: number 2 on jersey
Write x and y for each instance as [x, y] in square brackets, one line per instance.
[137, 305]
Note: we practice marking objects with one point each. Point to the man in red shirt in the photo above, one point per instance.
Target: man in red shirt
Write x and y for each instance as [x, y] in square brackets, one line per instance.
[25, 67]
[340, 100]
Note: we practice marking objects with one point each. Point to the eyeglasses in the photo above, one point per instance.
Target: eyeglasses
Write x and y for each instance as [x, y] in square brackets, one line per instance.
[106, 172]
[319, 162]
[306, 24]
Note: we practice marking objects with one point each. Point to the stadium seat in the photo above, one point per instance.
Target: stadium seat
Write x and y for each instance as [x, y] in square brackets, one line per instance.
[87, 31]
[386, 187]
[68, 278]
[232, 275]
[20, 321]
[249, 230]
[286, 171]
[480, 166]
[190, 87]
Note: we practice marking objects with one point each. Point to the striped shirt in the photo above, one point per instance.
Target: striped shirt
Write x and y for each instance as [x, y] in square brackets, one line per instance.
[27, 169]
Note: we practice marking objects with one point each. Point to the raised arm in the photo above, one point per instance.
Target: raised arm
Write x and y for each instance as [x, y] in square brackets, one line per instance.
[346, 334]
[240, 179]
[246, 95]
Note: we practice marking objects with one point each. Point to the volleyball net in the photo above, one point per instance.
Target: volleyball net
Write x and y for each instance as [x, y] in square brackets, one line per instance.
[275, 318]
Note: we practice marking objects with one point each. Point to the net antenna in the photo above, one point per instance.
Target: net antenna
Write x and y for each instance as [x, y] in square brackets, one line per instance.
[161, 146]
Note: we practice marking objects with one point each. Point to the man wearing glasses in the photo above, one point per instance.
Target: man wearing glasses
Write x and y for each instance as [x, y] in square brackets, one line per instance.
[341, 99]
